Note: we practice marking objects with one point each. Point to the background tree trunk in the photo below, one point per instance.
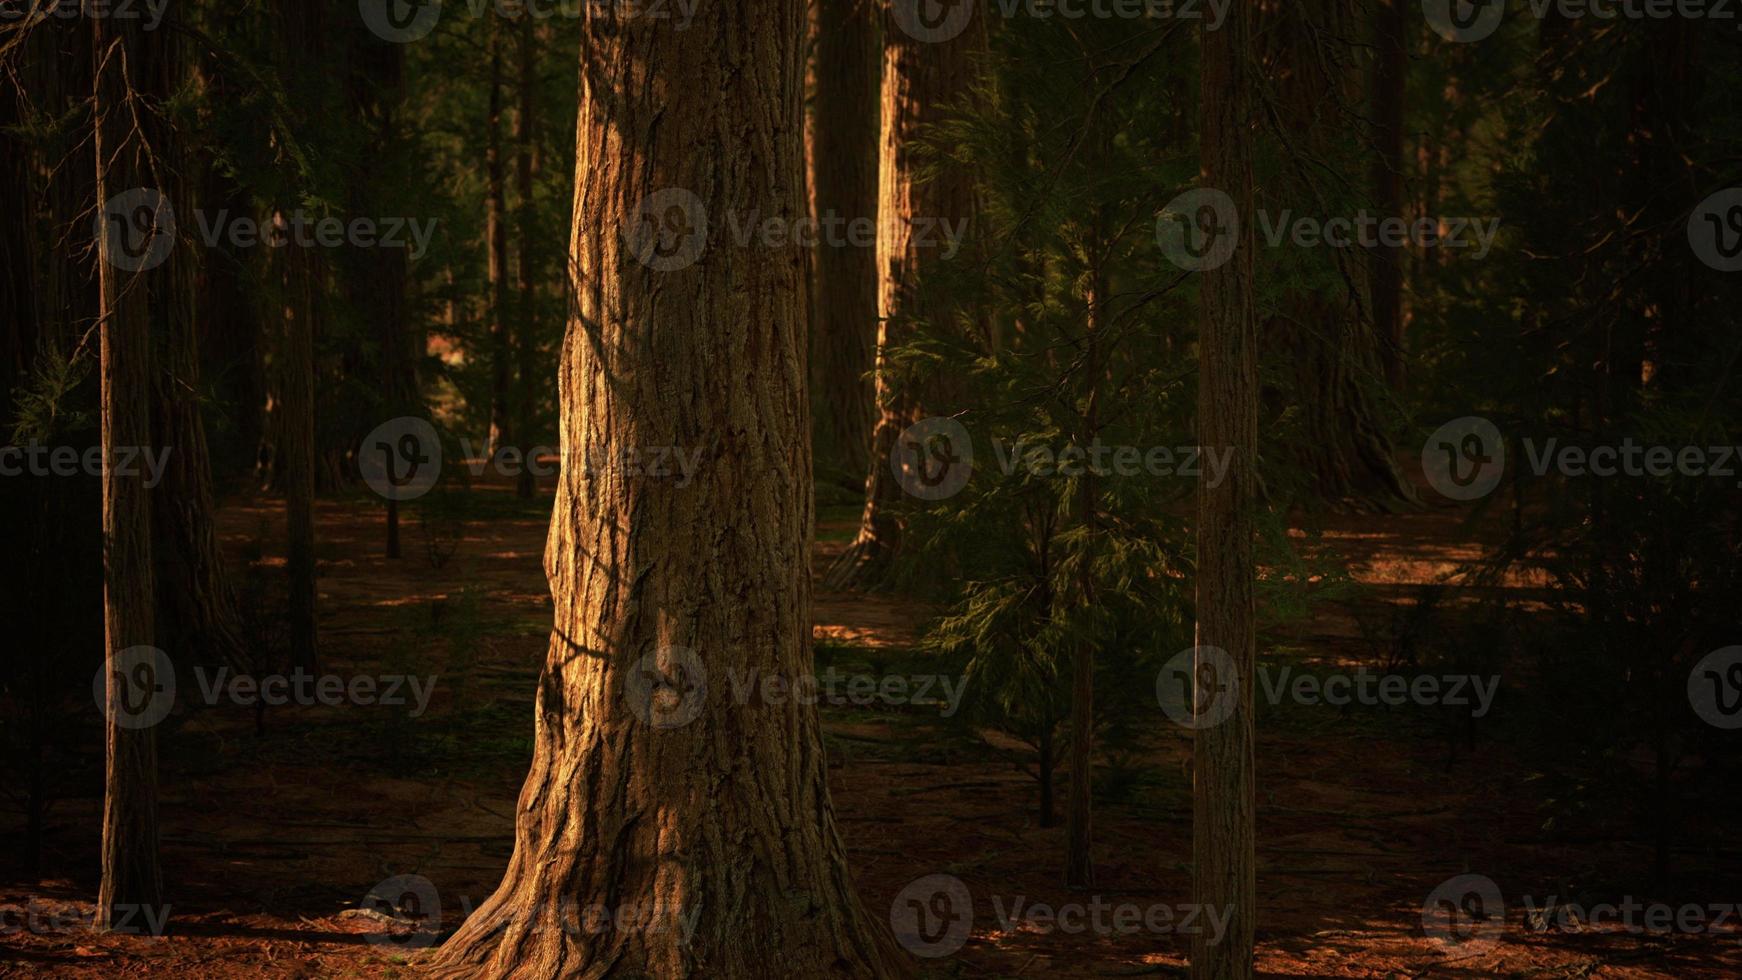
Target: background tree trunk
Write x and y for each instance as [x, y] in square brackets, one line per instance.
[526, 340]
[921, 79]
[849, 66]
[1223, 861]
[496, 241]
[677, 797]
[1390, 76]
[131, 875]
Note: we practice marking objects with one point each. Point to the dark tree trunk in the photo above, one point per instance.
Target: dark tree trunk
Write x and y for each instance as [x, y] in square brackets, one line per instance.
[849, 65]
[1335, 355]
[650, 786]
[1223, 806]
[131, 877]
[197, 614]
[1390, 75]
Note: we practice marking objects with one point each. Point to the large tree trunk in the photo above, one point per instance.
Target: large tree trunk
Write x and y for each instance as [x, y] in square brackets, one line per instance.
[921, 81]
[496, 241]
[849, 65]
[131, 876]
[1335, 353]
[197, 614]
[650, 786]
[1223, 862]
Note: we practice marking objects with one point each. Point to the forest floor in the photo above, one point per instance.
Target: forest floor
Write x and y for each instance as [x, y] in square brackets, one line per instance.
[272, 840]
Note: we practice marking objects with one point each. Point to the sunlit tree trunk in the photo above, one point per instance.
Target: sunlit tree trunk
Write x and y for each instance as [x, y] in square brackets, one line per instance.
[921, 79]
[650, 786]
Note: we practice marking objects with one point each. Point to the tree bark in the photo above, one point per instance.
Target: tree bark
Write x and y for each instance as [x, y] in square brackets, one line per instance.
[845, 176]
[131, 876]
[1390, 75]
[1223, 860]
[921, 81]
[496, 241]
[526, 339]
[197, 615]
[650, 786]
[302, 279]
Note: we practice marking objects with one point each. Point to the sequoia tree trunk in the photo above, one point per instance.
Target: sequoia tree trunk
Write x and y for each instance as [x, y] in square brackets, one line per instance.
[1390, 74]
[131, 878]
[651, 787]
[1223, 806]
[845, 175]
[496, 241]
[526, 337]
[921, 81]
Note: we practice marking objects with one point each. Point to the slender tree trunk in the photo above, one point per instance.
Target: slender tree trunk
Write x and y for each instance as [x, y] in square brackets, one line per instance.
[921, 79]
[849, 65]
[1079, 861]
[526, 340]
[650, 787]
[1390, 75]
[496, 241]
[302, 281]
[1223, 861]
[131, 876]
